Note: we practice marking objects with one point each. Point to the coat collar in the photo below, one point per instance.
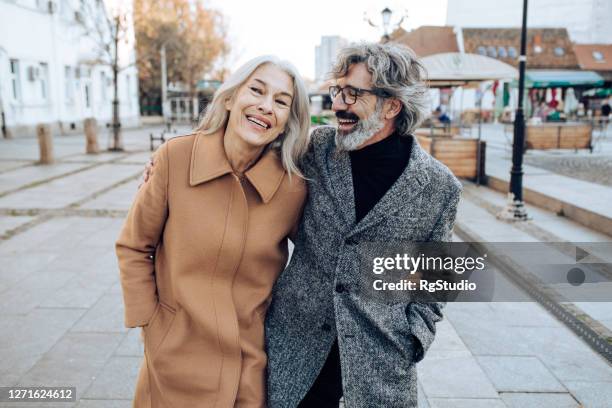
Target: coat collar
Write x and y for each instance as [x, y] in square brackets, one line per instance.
[208, 162]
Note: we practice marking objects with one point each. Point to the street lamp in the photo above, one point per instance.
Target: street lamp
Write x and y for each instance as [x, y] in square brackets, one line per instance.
[386, 19]
[386, 14]
[515, 209]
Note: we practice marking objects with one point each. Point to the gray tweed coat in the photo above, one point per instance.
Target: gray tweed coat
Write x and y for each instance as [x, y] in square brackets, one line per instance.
[315, 299]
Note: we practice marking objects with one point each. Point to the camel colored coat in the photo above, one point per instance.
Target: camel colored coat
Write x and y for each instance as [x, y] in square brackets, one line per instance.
[199, 253]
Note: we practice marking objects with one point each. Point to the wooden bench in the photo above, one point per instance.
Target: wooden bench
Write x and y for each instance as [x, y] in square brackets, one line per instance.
[559, 136]
[460, 155]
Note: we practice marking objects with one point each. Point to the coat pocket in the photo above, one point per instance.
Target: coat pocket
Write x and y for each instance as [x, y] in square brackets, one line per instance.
[158, 327]
[406, 341]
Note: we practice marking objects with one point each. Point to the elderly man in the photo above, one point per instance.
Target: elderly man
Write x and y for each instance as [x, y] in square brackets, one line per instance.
[369, 180]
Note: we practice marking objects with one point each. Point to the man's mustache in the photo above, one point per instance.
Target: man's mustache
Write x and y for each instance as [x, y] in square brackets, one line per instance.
[346, 115]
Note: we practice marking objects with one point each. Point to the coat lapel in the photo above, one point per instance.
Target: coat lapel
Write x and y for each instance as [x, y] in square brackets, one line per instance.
[342, 185]
[403, 193]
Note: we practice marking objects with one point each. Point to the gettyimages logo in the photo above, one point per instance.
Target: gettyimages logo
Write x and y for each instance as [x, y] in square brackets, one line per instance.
[484, 272]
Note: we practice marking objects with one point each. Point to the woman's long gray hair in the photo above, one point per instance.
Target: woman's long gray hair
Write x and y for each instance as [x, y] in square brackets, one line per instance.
[291, 144]
[395, 70]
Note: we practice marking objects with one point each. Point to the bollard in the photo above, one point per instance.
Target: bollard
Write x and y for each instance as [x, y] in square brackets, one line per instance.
[91, 136]
[45, 142]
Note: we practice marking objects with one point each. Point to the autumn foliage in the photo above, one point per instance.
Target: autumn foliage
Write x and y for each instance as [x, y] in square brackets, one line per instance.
[195, 39]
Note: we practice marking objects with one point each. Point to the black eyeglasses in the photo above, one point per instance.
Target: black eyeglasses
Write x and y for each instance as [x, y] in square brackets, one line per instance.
[350, 93]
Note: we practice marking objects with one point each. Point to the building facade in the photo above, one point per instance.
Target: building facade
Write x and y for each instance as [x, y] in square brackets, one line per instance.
[587, 21]
[325, 55]
[48, 68]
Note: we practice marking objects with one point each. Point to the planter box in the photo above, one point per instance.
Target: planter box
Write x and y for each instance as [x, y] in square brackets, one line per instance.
[558, 136]
[459, 154]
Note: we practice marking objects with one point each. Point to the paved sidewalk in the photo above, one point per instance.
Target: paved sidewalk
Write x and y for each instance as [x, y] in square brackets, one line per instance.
[583, 201]
[518, 353]
[61, 309]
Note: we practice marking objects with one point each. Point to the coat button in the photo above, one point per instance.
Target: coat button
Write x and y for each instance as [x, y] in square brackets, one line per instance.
[326, 327]
[340, 288]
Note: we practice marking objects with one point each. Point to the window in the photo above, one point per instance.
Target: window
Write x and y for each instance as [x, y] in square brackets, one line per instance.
[482, 51]
[15, 80]
[128, 89]
[103, 86]
[501, 51]
[68, 86]
[42, 80]
[492, 51]
[512, 53]
[598, 56]
[87, 97]
[559, 51]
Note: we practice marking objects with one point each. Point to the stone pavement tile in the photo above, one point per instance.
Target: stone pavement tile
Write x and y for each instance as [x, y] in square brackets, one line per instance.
[565, 355]
[446, 338]
[105, 316]
[421, 397]
[36, 239]
[6, 165]
[137, 158]
[117, 380]
[466, 403]
[74, 361]
[592, 394]
[87, 403]
[15, 268]
[539, 400]
[514, 373]
[9, 223]
[524, 314]
[67, 190]
[454, 374]
[81, 291]
[131, 346]
[38, 405]
[24, 176]
[95, 158]
[25, 339]
[479, 220]
[119, 198]
[482, 333]
[116, 288]
[30, 291]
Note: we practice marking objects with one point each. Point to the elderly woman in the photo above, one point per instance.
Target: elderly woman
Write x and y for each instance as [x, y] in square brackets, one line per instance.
[206, 238]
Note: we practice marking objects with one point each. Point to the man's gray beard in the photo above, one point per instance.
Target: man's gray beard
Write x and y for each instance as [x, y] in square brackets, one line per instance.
[363, 131]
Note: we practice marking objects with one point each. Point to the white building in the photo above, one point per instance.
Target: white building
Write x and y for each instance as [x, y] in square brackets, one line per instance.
[45, 75]
[587, 21]
[325, 55]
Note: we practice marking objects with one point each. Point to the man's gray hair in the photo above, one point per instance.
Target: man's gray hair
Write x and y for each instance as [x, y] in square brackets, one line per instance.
[395, 70]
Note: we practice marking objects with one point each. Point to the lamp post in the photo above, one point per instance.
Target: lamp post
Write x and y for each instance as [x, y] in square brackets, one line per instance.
[515, 209]
[386, 14]
[386, 19]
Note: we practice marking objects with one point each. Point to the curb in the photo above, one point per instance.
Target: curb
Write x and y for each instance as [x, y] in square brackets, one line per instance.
[595, 221]
[596, 335]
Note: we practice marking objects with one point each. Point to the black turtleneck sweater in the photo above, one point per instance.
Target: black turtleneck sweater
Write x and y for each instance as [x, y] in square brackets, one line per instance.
[375, 168]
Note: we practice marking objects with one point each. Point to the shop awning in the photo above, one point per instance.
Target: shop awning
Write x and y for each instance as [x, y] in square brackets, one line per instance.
[561, 79]
[598, 92]
[456, 69]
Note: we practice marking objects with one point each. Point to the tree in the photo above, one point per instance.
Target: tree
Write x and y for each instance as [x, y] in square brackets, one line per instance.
[107, 29]
[194, 37]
